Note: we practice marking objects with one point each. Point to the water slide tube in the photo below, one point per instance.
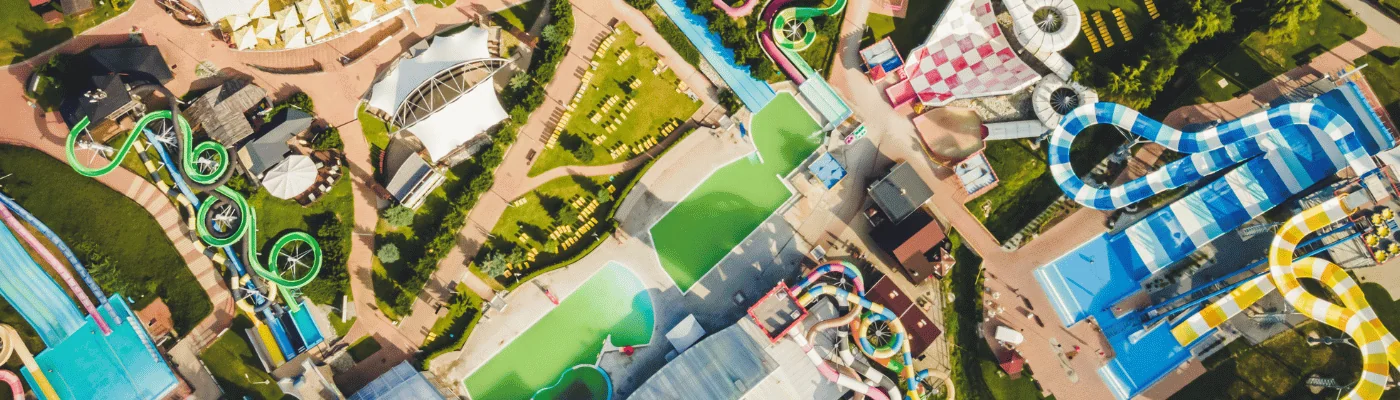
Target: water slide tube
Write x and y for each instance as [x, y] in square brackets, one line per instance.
[847, 269]
[782, 48]
[57, 266]
[11, 343]
[1211, 150]
[24, 215]
[736, 13]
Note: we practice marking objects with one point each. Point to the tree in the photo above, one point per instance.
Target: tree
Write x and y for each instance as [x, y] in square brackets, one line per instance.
[301, 101]
[1289, 15]
[519, 81]
[729, 100]
[603, 195]
[567, 215]
[329, 139]
[398, 216]
[551, 33]
[388, 253]
[583, 153]
[497, 263]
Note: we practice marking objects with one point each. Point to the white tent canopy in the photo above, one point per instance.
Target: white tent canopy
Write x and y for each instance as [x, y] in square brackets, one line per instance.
[291, 177]
[310, 9]
[236, 21]
[215, 10]
[295, 37]
[362, 11]
[444, 52]
[318, 27]
[1010, 336]
[260, 10]
[461, 120]
[245, 38]
[288, 18]
[266, 29]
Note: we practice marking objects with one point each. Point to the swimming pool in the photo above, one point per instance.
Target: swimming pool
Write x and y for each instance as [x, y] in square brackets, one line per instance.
[613, 302]
[735, 199]
[579, 382]
[123, 365]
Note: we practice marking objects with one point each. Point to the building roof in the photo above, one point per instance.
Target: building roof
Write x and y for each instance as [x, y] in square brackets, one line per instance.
[1011, 362]
[918, 244]
[52, 16]
[271, 147]
[77, 105]
[71, 7]
[735, 363]
[827, 170]
[36, 3]
[442, 53]
[900, 192]
[407, 175]
[777, 312]
[143, 62]
[219, 112]
[922, 332]
[401, 382]
[215, 10]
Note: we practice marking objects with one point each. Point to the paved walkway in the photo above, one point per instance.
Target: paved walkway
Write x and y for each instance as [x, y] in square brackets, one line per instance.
[1329, 62]
[1375, 19]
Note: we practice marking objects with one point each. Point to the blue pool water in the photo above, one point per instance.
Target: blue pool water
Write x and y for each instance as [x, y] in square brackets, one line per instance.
[753, 92]
[306, 327]
[123, 365]
[30, 290]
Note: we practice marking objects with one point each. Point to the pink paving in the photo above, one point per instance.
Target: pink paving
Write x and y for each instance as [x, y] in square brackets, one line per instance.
[970, 58]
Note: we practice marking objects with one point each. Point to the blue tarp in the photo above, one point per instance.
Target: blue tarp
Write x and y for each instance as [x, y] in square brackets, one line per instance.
[828, 170]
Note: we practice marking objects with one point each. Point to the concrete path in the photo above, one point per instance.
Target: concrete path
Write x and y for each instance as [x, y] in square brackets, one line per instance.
[1375, 19]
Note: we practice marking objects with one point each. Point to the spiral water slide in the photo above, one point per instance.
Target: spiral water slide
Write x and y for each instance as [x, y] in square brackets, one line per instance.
[807, 291]
[1379, 349]
[44, 253]
[10, 343]
[790, 31]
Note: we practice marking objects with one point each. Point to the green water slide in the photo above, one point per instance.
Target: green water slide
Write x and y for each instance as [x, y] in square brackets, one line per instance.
[209, 181]
[790, 31]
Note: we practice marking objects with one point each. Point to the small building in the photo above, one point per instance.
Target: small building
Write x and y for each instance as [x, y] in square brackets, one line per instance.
[52, 17]
[273, 145]
[921, 331]
[100, 98]
[900, 192]
[881, 58]
[98, 83]
[36, 3]
[918, 244]
[222, 111]
[411, 178]
[402, 382]
[75, 7]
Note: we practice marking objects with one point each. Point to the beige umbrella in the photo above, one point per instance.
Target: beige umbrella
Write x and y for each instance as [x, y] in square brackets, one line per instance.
[318, 27]
[310, 9]
[291, 177]
[287, 18]
[294, 37]
[260, 10]
[245, 38]
[363, 11]
[266, 28]
[236, 21]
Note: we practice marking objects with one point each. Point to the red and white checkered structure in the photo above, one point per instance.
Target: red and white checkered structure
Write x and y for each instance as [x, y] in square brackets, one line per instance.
[966, 56]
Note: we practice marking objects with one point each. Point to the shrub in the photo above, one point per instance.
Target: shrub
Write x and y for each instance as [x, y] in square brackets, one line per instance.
[388, 253]
[301, 101]
[329, 139]
[729, 100]
[641, 4]
[240, 184]
[583, 153]
[398, 216]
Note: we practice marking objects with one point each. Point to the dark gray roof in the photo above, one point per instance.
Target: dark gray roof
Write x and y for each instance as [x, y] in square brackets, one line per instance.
[140, 61]
[725, 365]
[76, 106]
[219, 112]
[400, 382]
[900, 192]
[407, 175]
[270, 148]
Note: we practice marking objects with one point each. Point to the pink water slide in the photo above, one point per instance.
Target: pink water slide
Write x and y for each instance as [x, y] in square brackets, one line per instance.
[58, 266]
[13, 380]
[736, 13]
[765, 38]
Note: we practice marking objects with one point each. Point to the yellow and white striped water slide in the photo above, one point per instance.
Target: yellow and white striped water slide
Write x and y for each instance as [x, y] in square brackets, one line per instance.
[1379, 349]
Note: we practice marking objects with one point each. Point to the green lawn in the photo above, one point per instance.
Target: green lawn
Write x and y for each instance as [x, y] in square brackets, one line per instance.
[236, 367]
[540, 213]
[450, 332]
[99, 222]
[658, 102]
[822, 52]
[364, 348]
[908, 32]
[1024, 188]
[673, 35]
[23, 33]
[521, 17]
[376, 131]
[1383, 73]
[1122, 51]
[1276, 368]
[277, 217]
[9, 316]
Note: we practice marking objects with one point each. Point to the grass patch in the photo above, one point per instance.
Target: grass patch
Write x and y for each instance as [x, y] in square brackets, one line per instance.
[673, 35]
[1122, 52]
[24, 34]
[611, 81]
[450, 332]
[236, 367]
[277, 217]
[1383, 73]
[521, 17]
[822, 52]
[908, 32]
[1277, 368]
[1025, 188]
[341, 328]
[102, 224]
[364, 348]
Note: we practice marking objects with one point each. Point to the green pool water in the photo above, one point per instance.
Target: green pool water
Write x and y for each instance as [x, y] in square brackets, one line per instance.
[582, 382]
[732, 202]
[612, 302]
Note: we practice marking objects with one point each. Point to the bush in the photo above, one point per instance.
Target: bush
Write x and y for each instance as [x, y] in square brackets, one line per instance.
[729, 100]
[301, 101]
[388, 253]
[641, 4]
[334, 279]
[329, 139]
[240, 184]
[738, 35]
[583, 153]
[398, 216]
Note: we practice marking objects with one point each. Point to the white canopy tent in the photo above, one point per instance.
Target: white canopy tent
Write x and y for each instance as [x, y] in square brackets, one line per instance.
[362, 11]
[318, 27]
[266, 29]
[291, 177]
[295, 37]
[237, 21]
[215, 10]
[1009, 336]
[245, 38]
[461, 120]
[310, 9]
[260, 10]
[288, 18]
[444, 52]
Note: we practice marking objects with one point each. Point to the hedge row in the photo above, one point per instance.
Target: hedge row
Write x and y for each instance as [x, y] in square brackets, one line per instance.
[526, 99]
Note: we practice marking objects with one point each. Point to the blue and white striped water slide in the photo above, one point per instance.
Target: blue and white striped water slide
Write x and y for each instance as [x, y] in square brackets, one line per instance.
[32, 292]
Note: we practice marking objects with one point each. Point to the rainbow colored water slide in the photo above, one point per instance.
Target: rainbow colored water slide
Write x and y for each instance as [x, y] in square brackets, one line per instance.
[10, 343]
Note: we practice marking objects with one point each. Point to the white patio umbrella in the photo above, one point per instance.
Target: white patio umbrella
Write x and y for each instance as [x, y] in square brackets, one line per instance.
[294, 37]
[266, 29]
[236, 21]
[287, 18]
[260, 10]
[318, 27]
[362, 11]
[310, 9]
[291, 177]
[245, 38]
